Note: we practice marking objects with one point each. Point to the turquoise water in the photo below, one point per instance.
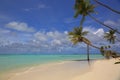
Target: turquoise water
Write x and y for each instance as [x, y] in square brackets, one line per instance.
[11, 62]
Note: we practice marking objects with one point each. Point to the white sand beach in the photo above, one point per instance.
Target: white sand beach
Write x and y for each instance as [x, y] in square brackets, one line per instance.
[71, 70]
[102, 70]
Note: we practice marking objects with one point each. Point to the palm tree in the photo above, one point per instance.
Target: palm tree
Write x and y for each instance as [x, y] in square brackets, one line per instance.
[77, 35]
[106, 6]
[110, 36]
[85, 8]
[107, 53]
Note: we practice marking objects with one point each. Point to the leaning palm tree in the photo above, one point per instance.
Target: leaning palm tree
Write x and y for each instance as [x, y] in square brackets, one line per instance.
[77, 36]
[107, 53]
[110, 36]
[85, 8]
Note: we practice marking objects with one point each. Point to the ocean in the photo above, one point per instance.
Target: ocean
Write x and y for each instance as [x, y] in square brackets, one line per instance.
[11, 62]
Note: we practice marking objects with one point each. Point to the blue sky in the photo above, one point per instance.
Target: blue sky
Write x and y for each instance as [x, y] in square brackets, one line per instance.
[41, 26]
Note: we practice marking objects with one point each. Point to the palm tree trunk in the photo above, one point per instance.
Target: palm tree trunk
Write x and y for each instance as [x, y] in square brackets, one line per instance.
[82, 20]
[118, 12]
[91, 45]
[88, 57]
[103, 23]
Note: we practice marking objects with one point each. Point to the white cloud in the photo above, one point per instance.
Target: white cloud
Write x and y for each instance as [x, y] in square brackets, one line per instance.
[97, 32]
[56, 35]
[95, 35]
[66, 32]
[6, 34]
[52, 41]
[51, 36]
[56, 42]
[20, 26]
[40, 36]
[38, 7]
[100, 32]
[112, 23]
[60, 39]
[42, 6]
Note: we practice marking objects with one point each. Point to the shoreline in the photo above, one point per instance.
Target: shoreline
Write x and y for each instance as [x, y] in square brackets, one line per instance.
[70, 70]
[66, 65]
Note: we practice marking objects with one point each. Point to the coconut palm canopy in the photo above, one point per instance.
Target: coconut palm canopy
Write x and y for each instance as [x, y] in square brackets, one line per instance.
[77, 35]
[83, 7]
[110, 36]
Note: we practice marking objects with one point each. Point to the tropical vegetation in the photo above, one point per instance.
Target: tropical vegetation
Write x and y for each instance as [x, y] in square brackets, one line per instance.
[78, 35]
[86, 8]
[110, 36]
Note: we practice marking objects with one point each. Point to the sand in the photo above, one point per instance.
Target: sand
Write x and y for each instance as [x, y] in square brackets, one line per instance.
[53, 71]
[71, 70]
[102, 70]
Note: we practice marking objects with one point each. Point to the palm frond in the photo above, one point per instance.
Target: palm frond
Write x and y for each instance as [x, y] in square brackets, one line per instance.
[76, 14]
[85, 33]
[83, 7]
[70, 33]
[110, 36]
[85, 40]
[77, 35]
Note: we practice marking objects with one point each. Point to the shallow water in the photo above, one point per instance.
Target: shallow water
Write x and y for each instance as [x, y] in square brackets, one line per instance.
[10, 62]
[13, 63]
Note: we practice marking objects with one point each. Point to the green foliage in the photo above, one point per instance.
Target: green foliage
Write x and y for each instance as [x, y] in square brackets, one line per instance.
[107, 53]
[110, 36]
[77, 35]
[83, 7]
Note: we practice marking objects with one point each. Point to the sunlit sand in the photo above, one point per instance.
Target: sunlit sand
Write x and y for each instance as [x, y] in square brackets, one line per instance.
[72, 70]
